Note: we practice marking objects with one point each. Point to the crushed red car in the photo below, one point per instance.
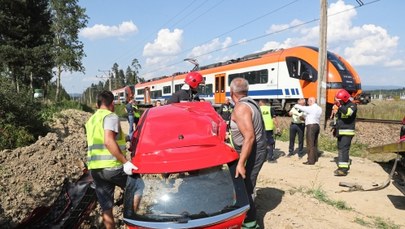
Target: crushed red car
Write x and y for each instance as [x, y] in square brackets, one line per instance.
[186, 171]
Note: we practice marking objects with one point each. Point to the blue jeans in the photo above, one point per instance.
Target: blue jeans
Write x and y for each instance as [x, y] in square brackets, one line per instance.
[131, 121]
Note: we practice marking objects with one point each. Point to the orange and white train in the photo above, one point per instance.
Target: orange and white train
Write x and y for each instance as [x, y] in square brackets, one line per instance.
[282, 76]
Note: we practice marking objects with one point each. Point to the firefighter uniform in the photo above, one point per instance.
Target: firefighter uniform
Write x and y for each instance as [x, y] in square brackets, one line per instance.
[345, 131]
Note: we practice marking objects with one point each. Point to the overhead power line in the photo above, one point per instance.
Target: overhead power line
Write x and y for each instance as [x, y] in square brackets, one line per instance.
[259, 37]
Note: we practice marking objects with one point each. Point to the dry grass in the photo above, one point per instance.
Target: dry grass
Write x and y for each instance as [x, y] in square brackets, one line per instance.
[383, 109]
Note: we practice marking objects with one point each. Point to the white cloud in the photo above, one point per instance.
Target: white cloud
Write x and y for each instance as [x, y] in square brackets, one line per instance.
[360, 45]
[202, 51]
[166, 43]
[100, 31]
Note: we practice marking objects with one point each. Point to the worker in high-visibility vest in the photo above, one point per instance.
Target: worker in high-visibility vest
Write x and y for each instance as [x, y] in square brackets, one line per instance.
[270, 123]
[106, 154]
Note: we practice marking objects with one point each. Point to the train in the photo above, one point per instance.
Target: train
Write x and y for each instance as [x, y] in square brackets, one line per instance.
[280, 75]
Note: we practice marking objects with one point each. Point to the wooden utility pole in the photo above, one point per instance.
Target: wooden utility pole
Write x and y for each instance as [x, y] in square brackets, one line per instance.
[322, 62]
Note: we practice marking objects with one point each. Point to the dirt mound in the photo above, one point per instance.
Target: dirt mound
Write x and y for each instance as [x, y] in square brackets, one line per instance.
[32, 176]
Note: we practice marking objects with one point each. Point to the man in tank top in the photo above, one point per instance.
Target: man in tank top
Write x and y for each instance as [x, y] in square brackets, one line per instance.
[249, 139]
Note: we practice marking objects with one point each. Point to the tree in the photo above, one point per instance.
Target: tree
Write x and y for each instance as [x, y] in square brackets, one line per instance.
[121, 78]
[115, 69]
[68, 19]
[129, 76]
[136, 65]
[25, 41]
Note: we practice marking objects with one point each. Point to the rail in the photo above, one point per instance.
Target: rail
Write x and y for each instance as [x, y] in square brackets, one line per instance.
[378, 121]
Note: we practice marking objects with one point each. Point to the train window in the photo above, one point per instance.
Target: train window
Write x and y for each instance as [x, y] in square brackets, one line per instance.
[300, 69]
[177, 87]
[167, 89]
[253, 77]
[140, 91]
[156, 94]
[205, 89]
[216, 84]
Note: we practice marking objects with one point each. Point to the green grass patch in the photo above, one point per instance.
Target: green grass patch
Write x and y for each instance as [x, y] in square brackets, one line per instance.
[380, 223]
[321, 195]
[362, 222]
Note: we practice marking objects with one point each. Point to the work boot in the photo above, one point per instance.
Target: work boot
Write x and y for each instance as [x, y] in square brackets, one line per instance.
[340, 172]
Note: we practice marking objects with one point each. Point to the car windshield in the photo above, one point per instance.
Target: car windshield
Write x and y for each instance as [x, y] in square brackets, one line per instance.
[180, 196]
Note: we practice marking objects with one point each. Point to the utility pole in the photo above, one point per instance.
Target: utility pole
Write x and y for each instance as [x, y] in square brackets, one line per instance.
[322, 62]
[108, 73]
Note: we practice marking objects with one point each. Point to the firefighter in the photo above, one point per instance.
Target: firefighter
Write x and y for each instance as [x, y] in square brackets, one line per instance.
[188, 90]
[345, 129]
[106, 154]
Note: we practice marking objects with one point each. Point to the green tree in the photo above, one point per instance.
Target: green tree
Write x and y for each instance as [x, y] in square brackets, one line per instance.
[129, 76]
[25, 41]
[121, 78]
[136, 67]
[115, 70]
[68, 19]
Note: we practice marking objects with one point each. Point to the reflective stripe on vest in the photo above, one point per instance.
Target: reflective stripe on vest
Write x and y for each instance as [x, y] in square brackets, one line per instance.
[98, 156]
[267, 118]
[346, 132]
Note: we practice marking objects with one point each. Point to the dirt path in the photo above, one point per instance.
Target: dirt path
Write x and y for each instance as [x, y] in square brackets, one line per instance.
[282, 200]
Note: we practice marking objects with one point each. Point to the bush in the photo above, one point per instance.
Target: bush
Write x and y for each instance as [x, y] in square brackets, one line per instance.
[22, 117]
[20, 122]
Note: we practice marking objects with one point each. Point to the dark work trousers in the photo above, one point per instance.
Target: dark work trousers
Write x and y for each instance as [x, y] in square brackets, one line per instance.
[312, 142]
[344, 142]
[253, 165]
[270, 144]
[297, 129]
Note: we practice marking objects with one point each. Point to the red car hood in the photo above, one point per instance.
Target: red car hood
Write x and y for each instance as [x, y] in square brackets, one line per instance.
[180, 137]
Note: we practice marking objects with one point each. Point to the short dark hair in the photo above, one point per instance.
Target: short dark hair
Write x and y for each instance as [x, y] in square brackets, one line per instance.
[105, 98]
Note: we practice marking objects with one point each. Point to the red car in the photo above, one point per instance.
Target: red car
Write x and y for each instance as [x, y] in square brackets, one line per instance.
[186, 171]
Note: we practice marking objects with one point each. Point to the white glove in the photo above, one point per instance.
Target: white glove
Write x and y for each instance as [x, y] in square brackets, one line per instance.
[128, 167]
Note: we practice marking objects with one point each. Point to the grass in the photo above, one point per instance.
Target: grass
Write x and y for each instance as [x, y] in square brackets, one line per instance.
[321, 195]
[377, 109]
[376, 222]
[329, 144]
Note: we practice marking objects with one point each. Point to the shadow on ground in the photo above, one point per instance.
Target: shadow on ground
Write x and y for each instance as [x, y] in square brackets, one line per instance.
[266, 200]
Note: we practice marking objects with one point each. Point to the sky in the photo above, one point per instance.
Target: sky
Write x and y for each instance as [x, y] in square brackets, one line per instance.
[161, 34]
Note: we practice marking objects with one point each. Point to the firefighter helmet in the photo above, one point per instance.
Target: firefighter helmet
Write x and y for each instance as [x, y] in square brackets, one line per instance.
[343, 95]
[193, 79]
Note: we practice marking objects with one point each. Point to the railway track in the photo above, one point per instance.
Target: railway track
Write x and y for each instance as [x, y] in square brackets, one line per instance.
[379, 121]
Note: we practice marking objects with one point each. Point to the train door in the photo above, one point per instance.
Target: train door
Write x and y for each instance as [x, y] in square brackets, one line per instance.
[219, 88]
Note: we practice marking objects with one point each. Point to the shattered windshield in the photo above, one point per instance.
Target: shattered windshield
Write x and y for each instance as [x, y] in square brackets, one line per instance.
[180, 197]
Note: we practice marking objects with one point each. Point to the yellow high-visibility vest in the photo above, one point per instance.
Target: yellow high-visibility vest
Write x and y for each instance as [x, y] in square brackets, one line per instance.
[267, 118]
[137, 113]
[98, 156]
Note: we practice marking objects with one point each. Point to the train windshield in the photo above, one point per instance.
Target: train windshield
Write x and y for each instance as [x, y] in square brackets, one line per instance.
[348, 82]
[336, 62]
[180, 196]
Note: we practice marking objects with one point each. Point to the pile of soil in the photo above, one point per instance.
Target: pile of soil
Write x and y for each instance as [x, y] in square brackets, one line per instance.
[32, 176]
